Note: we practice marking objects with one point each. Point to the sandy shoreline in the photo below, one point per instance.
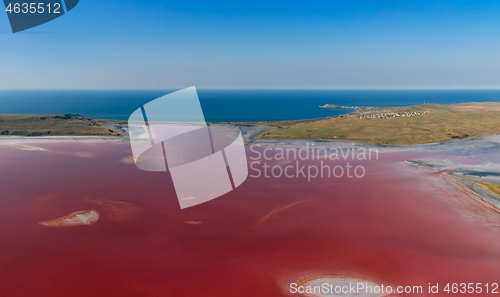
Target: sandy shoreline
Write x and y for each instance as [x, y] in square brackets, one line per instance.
[9, 140]
[251, 132]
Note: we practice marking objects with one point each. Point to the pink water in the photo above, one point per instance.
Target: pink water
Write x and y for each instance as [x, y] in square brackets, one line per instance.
[398, 225]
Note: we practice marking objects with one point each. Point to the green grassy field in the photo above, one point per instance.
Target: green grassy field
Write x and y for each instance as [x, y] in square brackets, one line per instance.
[51, 125]
[443, 123]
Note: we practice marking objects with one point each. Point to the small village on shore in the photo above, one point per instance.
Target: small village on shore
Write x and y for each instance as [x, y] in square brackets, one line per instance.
[360, 112]
[386, 115]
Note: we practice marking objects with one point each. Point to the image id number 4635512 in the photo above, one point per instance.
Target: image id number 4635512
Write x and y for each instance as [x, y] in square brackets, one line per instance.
[34, 8]
[470, 288]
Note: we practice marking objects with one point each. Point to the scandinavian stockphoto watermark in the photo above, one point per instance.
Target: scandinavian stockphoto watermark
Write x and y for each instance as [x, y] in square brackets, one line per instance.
[25, 14]
[309, 162]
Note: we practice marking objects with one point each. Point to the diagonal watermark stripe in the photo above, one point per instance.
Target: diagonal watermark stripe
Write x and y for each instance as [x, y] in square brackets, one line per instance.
[170, 134]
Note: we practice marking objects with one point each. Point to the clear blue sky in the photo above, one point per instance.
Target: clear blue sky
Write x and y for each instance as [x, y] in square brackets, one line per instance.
[258, 44]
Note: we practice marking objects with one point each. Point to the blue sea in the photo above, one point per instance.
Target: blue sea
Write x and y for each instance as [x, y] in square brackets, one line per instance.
[230, 105]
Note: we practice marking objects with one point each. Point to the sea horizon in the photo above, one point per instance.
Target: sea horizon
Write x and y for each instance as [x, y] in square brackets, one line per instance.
[230, 105]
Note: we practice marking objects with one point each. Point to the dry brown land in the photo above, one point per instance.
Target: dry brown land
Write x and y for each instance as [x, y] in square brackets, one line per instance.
[51, 125]
[495, 189]
[443, 123]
